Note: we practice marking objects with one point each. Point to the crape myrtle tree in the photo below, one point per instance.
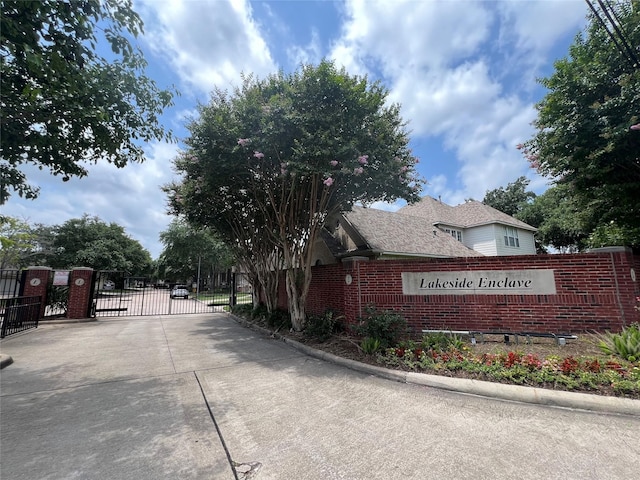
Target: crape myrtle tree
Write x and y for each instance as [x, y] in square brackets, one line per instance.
[64, 101]
[295, 148]
[243, 227]
[588, 124]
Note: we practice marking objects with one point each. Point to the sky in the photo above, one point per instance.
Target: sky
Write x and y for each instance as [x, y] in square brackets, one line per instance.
[463, 72]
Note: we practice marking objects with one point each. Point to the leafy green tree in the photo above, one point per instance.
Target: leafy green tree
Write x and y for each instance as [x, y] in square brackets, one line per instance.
[187, 249]
[510, 199]
[612, 234]
[301, 147]
[63, 103]
[562, 223]
[588, 125]
[89, 242]
[17, 240]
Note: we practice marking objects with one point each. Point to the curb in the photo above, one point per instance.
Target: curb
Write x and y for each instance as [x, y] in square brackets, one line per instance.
[5, 361]
[516, 393]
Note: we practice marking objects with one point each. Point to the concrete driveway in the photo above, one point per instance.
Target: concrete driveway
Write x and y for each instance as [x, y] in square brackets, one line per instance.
[187, 397]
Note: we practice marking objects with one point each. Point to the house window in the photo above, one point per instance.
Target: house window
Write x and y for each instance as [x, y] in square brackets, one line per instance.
[511, 237]
[457, 234]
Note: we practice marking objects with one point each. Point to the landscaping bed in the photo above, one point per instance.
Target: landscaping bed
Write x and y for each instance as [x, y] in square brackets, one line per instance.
[580, 365]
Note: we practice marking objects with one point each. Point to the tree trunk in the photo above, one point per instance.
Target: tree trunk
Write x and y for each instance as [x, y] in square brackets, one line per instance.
[296, 299]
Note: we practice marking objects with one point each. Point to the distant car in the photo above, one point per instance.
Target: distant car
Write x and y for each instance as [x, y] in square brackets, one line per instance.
[109, 285]
[179, 291]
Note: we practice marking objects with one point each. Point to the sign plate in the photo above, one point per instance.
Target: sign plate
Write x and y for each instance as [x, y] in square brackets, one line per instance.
[480, 282]
[61, 277]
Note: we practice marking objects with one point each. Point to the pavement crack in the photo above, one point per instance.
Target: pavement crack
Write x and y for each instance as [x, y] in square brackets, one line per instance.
[232, 464]
[168, 347]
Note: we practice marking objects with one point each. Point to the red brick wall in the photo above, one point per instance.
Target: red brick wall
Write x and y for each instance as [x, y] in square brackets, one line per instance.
[595, 292]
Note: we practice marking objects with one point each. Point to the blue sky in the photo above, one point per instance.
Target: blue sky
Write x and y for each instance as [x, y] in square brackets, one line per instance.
[464, 73]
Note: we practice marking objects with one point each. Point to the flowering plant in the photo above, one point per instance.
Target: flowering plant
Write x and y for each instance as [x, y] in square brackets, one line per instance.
[608, 376]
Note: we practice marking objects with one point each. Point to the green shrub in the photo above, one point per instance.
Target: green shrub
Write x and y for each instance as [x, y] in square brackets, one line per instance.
[386, 326]
[321, 327]
[244, 310]
[625, 344]
[441, 342]
[370, 345]
[279, 320]
[260, 313]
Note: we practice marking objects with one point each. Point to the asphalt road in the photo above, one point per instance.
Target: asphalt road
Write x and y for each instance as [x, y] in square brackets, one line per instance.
[187, 397]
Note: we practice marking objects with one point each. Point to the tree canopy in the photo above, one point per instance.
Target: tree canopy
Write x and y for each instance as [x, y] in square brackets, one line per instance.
[512, 198]
[17, 240]
[276, 157]
[90, 242]
[65, 104]
[561, 221]
[588, 125]
[187, 250]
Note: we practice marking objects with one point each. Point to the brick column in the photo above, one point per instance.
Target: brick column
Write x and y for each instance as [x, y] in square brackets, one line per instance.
[79, 292]
[36, 282]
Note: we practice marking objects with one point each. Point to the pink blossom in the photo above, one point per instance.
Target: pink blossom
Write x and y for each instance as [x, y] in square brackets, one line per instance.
[243, 142]
[333, 163]
[363, 159]
[358, 171]
[635, 127]
[328, 182]
[520, 146]
[258, 155]
[404, 168]
[283, 168]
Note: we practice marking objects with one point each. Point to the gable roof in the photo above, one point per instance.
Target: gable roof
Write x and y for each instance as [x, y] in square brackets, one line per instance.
[389, 233]
[466, 215]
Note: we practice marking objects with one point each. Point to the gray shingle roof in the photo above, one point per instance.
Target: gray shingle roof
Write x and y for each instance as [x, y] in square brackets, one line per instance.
[391, 233]
[466, 215]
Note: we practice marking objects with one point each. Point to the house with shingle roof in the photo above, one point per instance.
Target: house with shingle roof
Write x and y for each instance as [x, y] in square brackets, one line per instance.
[428, 228]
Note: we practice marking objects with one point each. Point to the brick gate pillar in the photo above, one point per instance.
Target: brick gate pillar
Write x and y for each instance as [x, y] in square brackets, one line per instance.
[35, 285]
[79, 292]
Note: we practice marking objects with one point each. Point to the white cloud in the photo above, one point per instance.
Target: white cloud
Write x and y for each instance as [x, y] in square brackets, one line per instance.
[395, 36]
[444, 62]
[209, 43]
[129, 196]
[308, 54]
[535, 26]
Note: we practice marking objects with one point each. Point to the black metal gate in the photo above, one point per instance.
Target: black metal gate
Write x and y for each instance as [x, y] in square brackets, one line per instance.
[17, 312]
[117, 294]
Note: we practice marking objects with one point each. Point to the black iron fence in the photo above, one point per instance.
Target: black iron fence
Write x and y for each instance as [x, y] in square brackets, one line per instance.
[18, 314]
[10, 282]
[117, 294]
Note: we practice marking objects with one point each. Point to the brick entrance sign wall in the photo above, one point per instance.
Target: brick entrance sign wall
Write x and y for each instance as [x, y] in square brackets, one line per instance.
[543, 293]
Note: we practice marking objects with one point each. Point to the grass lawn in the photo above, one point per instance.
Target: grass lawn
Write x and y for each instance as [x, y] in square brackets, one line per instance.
[223, 297]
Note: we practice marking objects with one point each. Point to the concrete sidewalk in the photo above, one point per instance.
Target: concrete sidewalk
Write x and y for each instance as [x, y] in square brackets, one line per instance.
[203, 397]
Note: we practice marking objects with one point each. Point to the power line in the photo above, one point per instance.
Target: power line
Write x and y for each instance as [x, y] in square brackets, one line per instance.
[613, 29]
